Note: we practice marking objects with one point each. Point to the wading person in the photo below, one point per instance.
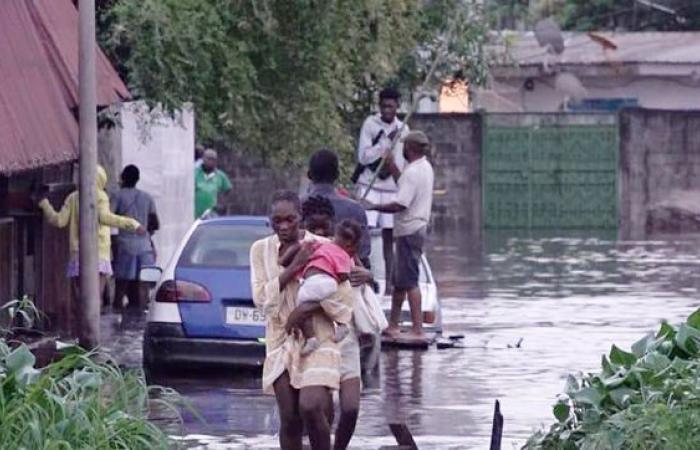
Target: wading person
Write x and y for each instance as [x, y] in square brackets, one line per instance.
[376, 136]
[69, 216]
[319, 215]
[133, 250]
[412, 207]
[209, 183]
[301, 385]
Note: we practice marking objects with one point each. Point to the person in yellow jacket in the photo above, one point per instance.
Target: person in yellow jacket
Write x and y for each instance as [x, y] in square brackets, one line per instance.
[69, 216]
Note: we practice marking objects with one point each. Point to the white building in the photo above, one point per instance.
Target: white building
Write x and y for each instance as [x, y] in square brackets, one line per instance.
[595, 72]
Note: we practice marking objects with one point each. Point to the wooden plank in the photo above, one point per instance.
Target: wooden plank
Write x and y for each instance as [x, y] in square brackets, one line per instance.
[52, 249]
[7, 257]
[405, 344]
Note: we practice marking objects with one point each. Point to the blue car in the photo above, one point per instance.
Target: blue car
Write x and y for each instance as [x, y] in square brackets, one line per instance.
[201, 311]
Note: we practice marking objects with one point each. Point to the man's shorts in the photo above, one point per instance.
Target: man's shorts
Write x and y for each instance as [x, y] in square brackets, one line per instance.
[127, 266]
[375, 219]
[407, 262]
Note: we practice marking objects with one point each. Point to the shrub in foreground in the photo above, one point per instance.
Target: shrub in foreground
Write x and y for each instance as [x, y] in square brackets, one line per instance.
[73, 403]
[648, 398]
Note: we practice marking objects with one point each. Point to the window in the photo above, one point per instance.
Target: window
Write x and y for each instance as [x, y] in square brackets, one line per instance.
[603, 104]
[222, 245]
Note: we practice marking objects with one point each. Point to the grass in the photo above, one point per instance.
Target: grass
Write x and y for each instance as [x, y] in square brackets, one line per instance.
[76, 402]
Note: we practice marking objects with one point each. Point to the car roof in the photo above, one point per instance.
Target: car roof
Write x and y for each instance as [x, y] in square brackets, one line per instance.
[237, 220]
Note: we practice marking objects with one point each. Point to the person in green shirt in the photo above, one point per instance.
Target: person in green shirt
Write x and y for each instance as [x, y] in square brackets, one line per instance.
[209, 183]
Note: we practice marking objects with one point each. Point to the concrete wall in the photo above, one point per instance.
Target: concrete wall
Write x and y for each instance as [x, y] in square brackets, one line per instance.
[254, 182]
[651, 92]
[659, 157]
[456, 159]
[163, 149]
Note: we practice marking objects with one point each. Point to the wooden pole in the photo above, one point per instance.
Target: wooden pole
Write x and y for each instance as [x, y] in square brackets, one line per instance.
[497, 428]
[89, 334]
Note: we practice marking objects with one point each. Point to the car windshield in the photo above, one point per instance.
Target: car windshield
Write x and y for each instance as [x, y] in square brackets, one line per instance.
[376, 258]
[222, 245]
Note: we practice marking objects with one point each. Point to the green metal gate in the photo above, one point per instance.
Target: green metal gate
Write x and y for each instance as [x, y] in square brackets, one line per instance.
[550, 176]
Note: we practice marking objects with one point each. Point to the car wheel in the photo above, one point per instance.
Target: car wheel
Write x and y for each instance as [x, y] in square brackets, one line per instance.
[151, 368]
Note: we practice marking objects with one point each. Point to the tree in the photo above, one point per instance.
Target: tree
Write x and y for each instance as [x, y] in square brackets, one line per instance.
[283, 77]
[632, 15]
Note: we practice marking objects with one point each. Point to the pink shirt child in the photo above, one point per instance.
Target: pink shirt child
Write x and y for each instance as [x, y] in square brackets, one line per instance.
[332, 259]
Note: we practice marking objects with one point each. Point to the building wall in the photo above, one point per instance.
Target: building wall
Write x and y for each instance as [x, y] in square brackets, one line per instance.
[659, 155]
[657, 93]
[456, 159]
[255, 181]
[162, 147]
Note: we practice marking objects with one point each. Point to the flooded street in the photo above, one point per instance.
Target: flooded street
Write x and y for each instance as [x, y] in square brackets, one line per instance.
[565, 300]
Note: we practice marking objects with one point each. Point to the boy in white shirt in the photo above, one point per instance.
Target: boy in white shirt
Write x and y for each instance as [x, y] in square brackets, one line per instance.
[376, 137]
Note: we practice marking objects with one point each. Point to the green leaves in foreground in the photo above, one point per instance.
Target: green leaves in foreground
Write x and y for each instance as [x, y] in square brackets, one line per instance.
[643, 399]
[74, 403]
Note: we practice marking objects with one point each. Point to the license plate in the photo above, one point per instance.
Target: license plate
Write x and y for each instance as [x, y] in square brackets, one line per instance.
[244, 316]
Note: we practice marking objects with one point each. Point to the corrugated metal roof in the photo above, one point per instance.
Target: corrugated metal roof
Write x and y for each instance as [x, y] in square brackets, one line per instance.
[650, 48]
[38, 83]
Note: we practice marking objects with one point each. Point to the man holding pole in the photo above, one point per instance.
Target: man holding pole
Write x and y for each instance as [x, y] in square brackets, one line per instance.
[376, 139]
[412, 206]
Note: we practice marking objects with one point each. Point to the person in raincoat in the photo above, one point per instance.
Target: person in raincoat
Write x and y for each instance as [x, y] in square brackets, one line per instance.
[68, 216]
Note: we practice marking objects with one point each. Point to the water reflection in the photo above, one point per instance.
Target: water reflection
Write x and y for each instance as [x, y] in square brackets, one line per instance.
[567, 297]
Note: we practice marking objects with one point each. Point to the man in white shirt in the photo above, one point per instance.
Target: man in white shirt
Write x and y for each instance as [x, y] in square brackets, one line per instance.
[376, 137]
[412, 206]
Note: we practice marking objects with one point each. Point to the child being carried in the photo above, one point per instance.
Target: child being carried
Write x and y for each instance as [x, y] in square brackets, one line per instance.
[329, 265]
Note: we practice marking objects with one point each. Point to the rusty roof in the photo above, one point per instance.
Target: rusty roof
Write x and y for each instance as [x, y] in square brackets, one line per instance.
[39, 83]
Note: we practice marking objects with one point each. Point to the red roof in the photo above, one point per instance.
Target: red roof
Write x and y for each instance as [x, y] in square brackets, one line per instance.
[39, 83]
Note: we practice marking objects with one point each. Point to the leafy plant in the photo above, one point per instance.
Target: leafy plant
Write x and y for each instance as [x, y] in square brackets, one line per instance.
[20, 315]
[75, 402]
[642, 399]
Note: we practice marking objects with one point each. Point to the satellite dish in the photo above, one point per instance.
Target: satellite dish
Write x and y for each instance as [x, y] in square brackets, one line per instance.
[569, 84]
[548, 35]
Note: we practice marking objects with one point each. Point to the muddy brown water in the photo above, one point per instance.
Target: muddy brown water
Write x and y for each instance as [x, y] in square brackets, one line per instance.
[564, 297]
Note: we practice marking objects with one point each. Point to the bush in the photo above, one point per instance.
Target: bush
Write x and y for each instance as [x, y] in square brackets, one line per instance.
[74, 403]
[648, 398]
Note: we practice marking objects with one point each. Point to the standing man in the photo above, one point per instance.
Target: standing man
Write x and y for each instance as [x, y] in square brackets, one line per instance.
[133, 250]
[323, 173]
[209, 183]
[376, 137]
[412, 207]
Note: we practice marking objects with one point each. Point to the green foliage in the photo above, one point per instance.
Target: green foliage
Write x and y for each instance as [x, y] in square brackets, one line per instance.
[19, 315]
[282, 78]
[645, 399]
[74, 403]
[587, 15]
[631, 15]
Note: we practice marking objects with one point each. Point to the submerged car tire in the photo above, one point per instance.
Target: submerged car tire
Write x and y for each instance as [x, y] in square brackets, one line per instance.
[152, 369]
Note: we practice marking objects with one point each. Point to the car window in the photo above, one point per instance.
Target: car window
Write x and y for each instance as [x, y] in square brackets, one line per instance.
[376, 259]
[221, 245]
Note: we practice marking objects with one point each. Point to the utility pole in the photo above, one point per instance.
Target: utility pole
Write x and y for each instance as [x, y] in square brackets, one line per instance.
[89, 326]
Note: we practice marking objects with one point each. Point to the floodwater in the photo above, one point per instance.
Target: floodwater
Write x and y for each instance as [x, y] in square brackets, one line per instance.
[533, 308]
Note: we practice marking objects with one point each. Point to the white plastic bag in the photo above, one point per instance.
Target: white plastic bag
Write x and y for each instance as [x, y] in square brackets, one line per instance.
[368, 314]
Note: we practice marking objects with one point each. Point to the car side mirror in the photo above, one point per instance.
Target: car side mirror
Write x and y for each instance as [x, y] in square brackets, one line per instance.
[150, 274]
